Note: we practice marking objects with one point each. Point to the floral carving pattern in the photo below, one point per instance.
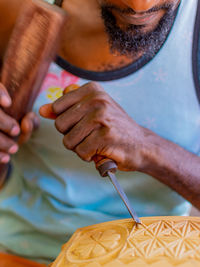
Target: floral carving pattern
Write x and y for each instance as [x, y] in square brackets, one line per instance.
[97, 244]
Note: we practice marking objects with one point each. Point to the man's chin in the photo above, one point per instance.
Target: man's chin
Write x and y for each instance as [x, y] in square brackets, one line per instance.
[131, 39]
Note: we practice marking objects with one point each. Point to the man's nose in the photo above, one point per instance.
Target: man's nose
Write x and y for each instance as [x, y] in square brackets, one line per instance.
[141, 5]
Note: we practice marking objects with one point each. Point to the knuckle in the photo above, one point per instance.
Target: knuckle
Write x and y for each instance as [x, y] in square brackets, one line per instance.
[59, 125]
[7, 123]
[82, 153]
[5, 142]
[57, 106]
[67, 143]
[101, 99]
[94, 86]
[100, 116]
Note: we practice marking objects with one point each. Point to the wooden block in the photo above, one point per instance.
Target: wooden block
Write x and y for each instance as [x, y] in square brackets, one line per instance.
[158, 241]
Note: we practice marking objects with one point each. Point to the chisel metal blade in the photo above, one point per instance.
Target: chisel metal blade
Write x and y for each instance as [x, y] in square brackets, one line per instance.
[123, 196]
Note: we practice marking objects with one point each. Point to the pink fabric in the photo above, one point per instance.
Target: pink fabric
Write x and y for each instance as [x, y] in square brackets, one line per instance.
[60, 80]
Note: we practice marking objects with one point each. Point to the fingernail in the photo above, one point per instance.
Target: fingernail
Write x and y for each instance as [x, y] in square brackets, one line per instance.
[15, 130]
[5, 159]
[5, 100]
[13, 149]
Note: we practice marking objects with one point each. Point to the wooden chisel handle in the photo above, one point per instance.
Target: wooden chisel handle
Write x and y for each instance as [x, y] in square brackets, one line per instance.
[103, 165]
[31, 48]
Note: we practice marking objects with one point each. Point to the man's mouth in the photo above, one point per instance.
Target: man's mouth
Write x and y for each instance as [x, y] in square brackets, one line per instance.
[135, 19]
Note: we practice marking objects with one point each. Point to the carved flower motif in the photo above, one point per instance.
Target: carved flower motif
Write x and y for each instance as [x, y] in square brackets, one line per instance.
[97, 243]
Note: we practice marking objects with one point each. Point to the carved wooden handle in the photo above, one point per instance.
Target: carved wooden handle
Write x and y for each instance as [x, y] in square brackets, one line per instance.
[32, 47]
[104, 165]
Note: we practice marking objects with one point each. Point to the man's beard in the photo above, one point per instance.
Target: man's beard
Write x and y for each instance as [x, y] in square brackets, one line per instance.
[132, 40]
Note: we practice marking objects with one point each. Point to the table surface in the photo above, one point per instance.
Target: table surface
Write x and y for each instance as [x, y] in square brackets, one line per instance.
[7, 260]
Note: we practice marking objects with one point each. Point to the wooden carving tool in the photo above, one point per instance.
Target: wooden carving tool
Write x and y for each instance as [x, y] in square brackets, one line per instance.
[31, 48]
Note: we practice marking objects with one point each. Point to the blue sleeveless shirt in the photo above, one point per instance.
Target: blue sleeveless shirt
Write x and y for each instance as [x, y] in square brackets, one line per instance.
[51, 192]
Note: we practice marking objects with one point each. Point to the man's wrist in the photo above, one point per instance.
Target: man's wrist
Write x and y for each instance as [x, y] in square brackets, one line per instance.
[155, 153]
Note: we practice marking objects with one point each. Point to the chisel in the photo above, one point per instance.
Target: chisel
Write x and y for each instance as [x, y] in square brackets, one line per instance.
[108, 167]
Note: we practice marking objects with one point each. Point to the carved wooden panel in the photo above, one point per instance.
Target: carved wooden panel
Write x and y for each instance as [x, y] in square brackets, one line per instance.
[158, 242]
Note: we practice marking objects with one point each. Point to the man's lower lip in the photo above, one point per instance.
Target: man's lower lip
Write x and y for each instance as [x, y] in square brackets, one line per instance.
[136, 20]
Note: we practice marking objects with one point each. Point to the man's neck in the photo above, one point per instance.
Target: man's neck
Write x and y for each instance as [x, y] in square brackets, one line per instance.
[85, 42]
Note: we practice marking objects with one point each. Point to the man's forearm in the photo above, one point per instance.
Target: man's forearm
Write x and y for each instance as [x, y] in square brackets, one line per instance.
[175, 167]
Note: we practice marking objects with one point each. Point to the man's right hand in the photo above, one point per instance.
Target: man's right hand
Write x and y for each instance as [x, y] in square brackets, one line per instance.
[10, 128]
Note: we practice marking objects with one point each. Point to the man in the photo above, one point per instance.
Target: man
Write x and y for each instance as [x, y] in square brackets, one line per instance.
[146, 119]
